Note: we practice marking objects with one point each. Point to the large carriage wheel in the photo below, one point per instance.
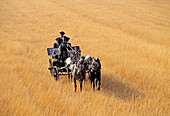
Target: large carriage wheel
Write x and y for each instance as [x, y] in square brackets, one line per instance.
[50, 66]
[56, 73]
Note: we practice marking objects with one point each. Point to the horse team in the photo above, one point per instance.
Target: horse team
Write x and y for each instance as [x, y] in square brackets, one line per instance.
[77, 69]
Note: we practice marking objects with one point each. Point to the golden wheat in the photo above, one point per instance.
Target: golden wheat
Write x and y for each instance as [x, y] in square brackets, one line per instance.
[131, 37]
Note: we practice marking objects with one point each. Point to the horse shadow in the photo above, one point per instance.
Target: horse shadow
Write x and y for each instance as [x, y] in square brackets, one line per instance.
[124, 91]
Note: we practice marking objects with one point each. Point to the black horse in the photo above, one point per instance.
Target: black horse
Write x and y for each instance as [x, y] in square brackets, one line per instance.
[95, 73]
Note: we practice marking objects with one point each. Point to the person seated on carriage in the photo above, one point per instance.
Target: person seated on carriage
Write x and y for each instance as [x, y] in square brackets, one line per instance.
[63, 45]
[62, 40]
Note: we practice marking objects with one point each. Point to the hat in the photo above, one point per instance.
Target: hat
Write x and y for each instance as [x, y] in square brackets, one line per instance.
[62, 33]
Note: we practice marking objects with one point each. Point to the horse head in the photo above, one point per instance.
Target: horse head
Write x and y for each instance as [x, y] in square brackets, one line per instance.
[95, 65]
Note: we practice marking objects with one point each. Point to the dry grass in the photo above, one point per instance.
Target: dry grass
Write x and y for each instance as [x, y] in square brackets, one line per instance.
[132, 38]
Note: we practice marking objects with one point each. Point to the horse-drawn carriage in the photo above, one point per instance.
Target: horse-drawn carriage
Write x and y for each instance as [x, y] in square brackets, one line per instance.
[67, 60]
[57, 57]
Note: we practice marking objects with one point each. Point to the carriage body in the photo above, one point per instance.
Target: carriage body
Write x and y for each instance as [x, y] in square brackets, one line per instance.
[57, 62]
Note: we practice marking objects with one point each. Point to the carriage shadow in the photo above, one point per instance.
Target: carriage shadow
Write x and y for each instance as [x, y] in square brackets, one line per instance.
[113, 86]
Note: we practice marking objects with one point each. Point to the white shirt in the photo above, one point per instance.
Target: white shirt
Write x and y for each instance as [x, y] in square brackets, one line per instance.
[62, 38]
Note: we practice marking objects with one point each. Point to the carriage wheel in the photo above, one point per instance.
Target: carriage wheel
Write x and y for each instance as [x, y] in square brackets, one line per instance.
[50, 66]
[56, 73]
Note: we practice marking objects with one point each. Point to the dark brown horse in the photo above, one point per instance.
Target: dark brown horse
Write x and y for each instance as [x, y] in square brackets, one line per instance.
[95, 73]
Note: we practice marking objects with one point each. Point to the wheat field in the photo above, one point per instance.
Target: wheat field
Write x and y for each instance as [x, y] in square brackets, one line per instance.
[131, 37]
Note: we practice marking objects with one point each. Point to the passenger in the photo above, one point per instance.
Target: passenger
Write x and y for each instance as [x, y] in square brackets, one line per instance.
[56, 45]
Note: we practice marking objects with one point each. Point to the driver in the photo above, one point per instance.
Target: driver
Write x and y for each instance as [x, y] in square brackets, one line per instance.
[62, 44]
[62, 40]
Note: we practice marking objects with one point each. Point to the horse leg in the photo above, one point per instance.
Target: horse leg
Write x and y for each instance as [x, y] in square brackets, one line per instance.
[96, 82]
[99, 84]
[68, 74]
[75, 84]
[71, 77]
[84, 77]
[92, 80]
[93, 84]
[81, 81]
[99, 78]
[90, 76]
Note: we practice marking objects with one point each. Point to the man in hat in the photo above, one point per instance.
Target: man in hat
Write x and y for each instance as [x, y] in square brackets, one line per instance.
[62, 40]
[62, 43]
